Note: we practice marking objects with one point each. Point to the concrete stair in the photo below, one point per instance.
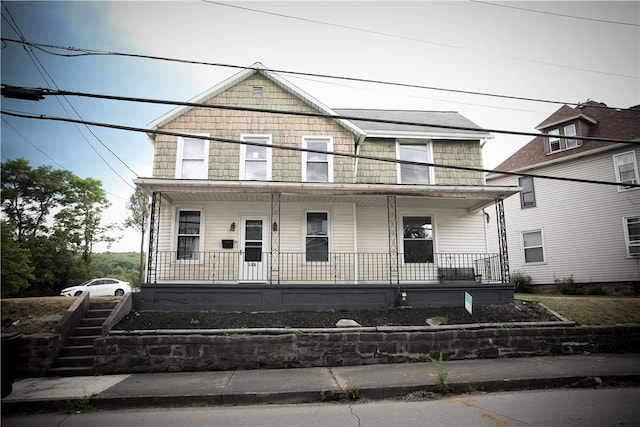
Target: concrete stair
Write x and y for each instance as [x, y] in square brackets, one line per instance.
[76, 356]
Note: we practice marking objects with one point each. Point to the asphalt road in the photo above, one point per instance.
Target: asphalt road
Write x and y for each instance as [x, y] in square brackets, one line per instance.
[565, 408]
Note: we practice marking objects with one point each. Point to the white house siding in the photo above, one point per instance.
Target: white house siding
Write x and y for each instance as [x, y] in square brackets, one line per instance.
[581, 223]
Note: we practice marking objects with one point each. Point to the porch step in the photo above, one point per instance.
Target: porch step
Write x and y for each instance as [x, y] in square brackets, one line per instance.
[76, 356]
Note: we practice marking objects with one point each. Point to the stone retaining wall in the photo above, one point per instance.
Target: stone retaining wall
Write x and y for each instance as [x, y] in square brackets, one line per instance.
[35, 354]
[216, 350]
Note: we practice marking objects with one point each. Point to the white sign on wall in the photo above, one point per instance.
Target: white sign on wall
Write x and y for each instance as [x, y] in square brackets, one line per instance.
[468, 302]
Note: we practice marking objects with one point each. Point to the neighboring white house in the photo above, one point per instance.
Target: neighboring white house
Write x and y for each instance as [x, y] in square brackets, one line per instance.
[242, 195]
[558, 229]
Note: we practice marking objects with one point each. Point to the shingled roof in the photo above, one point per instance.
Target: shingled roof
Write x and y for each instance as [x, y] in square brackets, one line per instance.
[605, 123]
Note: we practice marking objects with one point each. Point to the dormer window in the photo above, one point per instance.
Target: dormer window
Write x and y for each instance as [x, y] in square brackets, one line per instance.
[557, 143]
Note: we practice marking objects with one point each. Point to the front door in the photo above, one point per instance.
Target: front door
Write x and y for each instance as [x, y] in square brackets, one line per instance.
[253, 263]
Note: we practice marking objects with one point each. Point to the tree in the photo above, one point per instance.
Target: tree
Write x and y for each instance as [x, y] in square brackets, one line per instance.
[17, 270]
[138, 218]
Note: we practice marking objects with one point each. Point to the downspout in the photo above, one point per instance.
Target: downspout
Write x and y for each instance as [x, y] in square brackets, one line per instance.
[358, 143]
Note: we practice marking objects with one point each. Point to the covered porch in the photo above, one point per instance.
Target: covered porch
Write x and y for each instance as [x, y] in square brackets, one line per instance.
[234, 276]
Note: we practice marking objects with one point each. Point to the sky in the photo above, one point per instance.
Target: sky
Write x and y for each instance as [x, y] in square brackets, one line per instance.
[558, 52]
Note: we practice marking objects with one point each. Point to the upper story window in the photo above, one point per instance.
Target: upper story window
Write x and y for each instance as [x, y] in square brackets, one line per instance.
[415, 152]
[256, 91]
[626, 168]
[255, 160]
[632, 235]
[192, 158]
[188, 245]
[317, 167]
[417, 239]
[533, 246]
[527, 195]
[557, 143]
[317, 237]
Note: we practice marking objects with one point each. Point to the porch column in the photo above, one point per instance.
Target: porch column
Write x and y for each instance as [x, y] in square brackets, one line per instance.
[392, 220]
[274, 277]
[502, 242]
[154, 231]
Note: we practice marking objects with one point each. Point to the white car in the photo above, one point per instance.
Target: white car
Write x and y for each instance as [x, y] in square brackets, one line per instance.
[102, 287]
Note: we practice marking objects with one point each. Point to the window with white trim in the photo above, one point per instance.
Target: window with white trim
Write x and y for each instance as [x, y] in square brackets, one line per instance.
[533, 246]
[415, 152]
[189, 232]
[554, 140]
[417, 239]
[255, 160]
[317, 167]
[192, 158]
[626, 168]
[527, 195]
[317, 236]
[632, 235]
[570, 130]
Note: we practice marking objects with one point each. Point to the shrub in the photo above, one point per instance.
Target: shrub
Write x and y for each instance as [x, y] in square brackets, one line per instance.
[597, 291]
[567, 286]
[522, 281]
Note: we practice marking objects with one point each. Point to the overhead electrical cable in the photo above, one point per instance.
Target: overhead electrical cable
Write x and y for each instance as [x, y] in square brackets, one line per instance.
[508, 6]
[416, 40]
[7, 90]
[309, 150]
[49, 80]
[92, 52]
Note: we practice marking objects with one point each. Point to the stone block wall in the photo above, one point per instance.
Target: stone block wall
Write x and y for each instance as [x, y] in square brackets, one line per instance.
[35, 354]
[209, 350]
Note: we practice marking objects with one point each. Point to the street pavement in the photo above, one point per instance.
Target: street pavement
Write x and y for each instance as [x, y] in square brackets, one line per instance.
[303, 385]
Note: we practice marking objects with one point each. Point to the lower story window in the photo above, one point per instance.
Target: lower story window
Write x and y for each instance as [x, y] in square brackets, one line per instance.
[533, 246]
[632, 235]
[188, 235]
[317, 237]
[417, 239]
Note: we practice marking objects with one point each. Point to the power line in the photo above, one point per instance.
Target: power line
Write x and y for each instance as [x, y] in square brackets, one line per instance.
[554, 13]
[6, 91]
[48, 79]
[92, 52]
[309, 150]
[412, 39]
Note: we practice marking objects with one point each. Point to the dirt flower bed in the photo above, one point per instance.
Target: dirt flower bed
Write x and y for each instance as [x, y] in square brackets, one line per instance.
[517, 311]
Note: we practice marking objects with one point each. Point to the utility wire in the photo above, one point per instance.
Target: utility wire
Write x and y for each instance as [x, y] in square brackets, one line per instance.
[92, 52]
[51, 82]
[413, 39]
[48, 92]
[554, 13]
[309, 150]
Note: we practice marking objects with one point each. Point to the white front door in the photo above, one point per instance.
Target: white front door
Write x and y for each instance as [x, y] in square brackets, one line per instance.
[253, 247]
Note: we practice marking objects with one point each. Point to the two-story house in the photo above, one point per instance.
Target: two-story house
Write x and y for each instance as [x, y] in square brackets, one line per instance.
[314, 208]
[559, 230]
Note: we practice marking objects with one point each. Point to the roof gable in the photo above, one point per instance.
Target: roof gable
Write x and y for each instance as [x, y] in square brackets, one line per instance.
[240, 77]
[609, 123]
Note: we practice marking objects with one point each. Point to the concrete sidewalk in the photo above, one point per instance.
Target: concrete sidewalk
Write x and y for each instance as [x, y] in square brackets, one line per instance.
[316, 384]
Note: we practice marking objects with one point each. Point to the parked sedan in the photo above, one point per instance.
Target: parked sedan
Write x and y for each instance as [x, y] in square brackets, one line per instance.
[103, 287]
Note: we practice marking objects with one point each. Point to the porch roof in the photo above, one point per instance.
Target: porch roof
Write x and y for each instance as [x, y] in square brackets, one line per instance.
[471, 198]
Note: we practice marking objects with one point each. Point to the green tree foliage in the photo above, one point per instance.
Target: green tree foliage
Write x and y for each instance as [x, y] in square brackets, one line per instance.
[17, 270]
[119, 265]
[56, 217]
[138, 206]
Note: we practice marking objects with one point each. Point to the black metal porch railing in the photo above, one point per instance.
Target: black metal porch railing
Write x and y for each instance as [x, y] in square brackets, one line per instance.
[340, 268]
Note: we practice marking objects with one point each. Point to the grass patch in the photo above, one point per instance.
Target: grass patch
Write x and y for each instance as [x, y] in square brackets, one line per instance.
[590, 310]
[33, 315]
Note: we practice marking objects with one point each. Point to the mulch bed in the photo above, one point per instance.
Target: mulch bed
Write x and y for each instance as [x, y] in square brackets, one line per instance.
[517, 311]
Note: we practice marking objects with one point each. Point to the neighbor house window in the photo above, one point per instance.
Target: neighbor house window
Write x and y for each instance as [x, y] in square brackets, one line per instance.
[533, 247]
[255, 160]
[415, 152]
[554, 140]
[188, 235]
[570, 130]
[317, 167]
[317, 236]
[632, 235]
[527, 195]
[192, 158]
[417, 239]
[626, 168]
